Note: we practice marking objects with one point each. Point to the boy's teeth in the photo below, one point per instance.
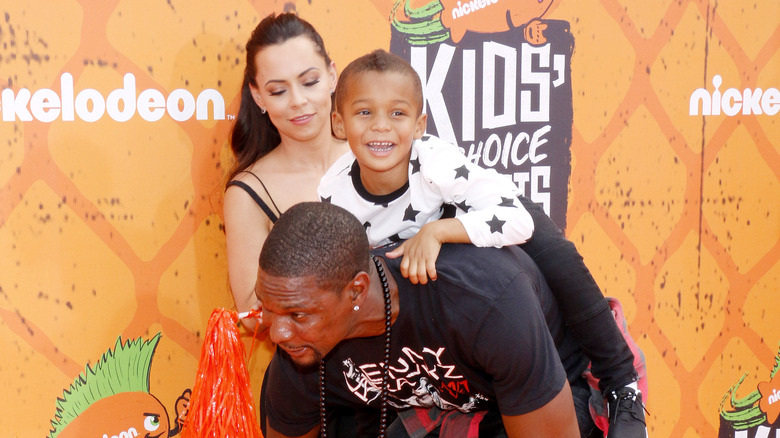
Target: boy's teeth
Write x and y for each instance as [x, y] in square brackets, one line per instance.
[383, 145]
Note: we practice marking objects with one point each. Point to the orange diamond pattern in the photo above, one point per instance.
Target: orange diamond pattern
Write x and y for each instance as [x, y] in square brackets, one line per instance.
[109, 229]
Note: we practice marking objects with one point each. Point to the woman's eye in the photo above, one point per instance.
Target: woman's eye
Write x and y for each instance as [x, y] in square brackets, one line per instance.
[311, 83]
[276, 92]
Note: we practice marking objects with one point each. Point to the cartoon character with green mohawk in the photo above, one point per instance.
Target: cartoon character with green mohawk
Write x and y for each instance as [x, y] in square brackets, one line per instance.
[112, 400]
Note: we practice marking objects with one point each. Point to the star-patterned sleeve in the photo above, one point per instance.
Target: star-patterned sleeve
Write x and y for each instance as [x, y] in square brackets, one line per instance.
[486, 202]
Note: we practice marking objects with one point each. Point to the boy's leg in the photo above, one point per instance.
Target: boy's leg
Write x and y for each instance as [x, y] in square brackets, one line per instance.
[583, 306]
[589, 319]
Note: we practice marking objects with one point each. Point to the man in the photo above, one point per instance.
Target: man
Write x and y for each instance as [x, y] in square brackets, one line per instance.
[481, 351]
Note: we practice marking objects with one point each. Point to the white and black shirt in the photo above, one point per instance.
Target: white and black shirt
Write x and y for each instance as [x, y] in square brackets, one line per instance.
[439, 174]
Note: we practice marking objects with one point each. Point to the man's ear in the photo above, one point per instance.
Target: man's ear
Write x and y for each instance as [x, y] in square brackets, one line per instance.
[357, 289]
[420, 125]
[338, 125]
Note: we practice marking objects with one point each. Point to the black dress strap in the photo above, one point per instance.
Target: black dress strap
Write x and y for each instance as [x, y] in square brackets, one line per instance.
[271, 198]
[266, 209]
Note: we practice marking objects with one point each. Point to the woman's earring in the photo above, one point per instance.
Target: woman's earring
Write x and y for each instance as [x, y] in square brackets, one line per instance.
[356, 308]
[262, 110]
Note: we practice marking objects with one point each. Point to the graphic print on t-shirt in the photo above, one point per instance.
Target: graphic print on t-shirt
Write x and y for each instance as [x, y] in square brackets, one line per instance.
[416, 379]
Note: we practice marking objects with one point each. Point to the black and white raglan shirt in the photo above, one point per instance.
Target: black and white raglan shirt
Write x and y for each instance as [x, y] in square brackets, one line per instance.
[439, 174]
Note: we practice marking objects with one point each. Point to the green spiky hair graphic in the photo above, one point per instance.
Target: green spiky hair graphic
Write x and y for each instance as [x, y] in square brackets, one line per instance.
[123, 369]
[424, 26]
[746, 413]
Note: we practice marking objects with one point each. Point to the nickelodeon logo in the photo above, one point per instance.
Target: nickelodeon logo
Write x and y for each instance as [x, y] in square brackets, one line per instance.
[733, 101]
[773, 398]
[470, 6]
[89, 105]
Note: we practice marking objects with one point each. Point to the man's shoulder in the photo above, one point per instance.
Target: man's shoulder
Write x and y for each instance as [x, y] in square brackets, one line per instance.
[508, 260]
[485, 271]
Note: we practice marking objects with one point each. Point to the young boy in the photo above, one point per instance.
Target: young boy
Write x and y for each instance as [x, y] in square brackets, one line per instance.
[397, 181]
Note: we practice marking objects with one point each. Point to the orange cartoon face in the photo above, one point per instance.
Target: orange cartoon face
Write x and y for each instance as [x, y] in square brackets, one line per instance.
[127, 414]
[489, 16]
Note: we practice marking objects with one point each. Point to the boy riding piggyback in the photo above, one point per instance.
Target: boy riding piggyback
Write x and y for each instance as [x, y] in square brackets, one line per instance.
[397, 181]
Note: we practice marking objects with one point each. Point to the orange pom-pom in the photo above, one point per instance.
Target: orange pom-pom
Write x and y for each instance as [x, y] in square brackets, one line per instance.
[221, 404]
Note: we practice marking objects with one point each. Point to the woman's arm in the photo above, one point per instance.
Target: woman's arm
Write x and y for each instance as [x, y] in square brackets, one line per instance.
[246, 228]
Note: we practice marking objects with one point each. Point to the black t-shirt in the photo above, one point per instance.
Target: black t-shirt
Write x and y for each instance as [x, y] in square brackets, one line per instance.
[486, 335]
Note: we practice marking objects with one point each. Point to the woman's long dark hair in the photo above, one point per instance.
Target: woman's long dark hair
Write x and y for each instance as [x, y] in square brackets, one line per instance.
[253, 134]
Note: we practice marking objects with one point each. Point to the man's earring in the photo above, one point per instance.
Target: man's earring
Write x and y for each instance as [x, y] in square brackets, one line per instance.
[356, 308]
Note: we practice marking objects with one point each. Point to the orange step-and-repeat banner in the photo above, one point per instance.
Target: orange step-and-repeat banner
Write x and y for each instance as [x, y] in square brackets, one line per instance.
[114, 119]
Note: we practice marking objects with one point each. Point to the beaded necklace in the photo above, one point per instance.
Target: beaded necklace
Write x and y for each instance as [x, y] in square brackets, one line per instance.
[385, 366]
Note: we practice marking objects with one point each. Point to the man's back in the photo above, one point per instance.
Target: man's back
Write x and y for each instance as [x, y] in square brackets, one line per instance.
[488, 269]
[474, 340]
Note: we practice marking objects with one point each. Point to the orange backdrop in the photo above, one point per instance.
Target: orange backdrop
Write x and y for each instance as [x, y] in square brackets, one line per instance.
[110, 228]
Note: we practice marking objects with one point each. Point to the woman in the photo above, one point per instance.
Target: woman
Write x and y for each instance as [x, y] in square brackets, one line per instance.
[281, 139]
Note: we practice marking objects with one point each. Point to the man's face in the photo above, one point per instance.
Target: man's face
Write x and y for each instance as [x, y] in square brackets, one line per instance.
[304, 320]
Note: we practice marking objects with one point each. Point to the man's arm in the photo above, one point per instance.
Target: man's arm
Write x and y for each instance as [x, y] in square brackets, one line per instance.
[556, 419]
[288, 400]
[271, 433]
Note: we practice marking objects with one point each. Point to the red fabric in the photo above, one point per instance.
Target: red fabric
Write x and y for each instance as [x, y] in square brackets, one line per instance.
[419, 422]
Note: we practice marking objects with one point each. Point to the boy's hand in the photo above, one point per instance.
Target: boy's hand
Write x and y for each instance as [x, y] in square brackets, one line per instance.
[421, 250]
[419, 258]
[420, 253]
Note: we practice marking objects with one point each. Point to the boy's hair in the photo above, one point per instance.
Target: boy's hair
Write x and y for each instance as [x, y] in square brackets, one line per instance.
[379, 61]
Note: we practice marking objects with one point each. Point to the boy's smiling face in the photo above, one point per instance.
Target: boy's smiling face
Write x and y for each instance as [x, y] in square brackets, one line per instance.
[380, 117]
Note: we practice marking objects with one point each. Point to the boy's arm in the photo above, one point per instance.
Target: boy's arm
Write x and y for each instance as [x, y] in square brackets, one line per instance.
[489, 212]
[487, 201]
[421, 250]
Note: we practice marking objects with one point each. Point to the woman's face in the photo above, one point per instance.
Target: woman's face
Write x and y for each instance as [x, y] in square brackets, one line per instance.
[294, 84]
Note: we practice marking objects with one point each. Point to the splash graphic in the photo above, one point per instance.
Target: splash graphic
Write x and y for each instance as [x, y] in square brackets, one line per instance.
[440, 20]
[758, 407]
